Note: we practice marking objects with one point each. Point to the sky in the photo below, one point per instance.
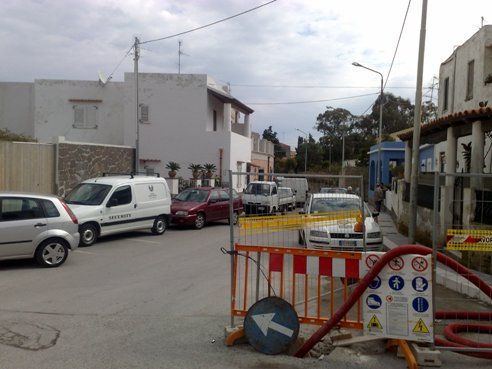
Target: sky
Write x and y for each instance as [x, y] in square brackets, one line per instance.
[288, 60]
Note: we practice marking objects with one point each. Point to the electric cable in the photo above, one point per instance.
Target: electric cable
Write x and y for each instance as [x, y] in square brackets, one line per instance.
[234, 252]
[209, 24]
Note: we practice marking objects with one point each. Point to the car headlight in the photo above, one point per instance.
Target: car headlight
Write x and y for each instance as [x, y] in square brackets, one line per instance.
[182, 213]
[315, 233]
[374, 235]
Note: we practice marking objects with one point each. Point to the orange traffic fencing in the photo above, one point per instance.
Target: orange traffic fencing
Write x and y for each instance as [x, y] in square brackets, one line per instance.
[315, 282]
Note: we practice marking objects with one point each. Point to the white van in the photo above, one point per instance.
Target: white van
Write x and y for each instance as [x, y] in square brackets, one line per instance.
[115, 204]
[299, 186]
[260, 197]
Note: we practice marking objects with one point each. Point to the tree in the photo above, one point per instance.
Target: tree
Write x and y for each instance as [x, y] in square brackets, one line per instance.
[334, 124]
[397, 113]
[271, 136]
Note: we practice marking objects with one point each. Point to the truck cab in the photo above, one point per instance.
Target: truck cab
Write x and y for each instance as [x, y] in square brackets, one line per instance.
[261, 197]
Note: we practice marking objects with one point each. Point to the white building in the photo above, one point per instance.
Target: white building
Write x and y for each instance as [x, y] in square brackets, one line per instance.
[186, 118]
[464, 117]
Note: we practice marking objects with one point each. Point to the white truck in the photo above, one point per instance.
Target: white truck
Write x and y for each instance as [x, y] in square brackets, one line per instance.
[299, 186]
[261, 197]
[286, 199]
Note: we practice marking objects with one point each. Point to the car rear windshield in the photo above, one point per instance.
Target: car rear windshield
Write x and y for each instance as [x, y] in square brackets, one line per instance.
[193, 196]
[88, 194]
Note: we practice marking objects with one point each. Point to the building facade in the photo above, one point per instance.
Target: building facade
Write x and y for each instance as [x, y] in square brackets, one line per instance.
[185, 118]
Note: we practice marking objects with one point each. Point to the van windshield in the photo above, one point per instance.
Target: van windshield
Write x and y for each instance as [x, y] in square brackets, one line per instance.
[88, 194]
[258, 189]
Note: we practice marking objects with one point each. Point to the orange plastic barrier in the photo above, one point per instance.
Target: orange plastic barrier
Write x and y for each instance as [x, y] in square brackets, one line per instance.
[315, 282]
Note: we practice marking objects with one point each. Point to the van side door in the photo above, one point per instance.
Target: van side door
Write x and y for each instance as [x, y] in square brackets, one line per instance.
[119, 211]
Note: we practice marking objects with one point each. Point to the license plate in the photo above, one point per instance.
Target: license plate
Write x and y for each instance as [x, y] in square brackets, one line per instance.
[348, 243]
[261, 208]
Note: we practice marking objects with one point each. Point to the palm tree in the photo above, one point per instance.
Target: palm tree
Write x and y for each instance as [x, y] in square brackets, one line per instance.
[195, 169]
[210, 169]
[173, 168]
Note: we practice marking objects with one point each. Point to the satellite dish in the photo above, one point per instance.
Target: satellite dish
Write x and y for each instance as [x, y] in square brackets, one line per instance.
[102, 79]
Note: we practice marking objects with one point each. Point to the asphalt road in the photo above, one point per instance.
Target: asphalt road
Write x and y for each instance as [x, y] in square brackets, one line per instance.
[140, 301]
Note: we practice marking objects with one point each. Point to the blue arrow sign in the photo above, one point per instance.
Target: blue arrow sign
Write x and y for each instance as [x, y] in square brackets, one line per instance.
[271, 325]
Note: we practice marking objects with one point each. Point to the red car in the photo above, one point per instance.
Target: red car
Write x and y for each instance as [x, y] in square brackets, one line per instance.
[197, 206]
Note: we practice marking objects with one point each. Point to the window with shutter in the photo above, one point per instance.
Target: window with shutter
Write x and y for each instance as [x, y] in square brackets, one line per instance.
[144, 113]
[85, 116]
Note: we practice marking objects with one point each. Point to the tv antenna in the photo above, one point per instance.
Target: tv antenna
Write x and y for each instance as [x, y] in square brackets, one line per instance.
[179, 55]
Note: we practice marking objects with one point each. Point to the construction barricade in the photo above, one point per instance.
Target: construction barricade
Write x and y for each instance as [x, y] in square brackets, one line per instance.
[314, 282]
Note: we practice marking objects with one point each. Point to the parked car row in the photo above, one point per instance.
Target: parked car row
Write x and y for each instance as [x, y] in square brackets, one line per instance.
[46, 227]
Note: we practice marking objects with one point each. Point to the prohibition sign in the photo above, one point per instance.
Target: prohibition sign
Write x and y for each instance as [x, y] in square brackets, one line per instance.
[371, 260]
[397, 263]
[419, 264]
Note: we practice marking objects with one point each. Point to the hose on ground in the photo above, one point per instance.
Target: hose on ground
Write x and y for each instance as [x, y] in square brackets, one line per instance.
[450, 331]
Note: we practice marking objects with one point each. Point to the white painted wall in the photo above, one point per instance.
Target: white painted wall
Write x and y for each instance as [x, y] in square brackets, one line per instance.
[54, 113]
[17, 107]
[181, 124]
[479, 49]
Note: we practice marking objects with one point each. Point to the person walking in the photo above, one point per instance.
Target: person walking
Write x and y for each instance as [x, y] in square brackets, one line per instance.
[379, 196]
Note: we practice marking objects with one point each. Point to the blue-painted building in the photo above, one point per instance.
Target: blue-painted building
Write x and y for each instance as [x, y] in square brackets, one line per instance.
[392, 154]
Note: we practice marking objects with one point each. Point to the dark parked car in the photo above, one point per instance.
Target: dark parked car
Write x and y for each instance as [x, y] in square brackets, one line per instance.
[197, 206]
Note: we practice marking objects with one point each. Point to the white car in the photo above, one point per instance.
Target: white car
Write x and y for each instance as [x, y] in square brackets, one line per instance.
[334, 222]
[36, 226]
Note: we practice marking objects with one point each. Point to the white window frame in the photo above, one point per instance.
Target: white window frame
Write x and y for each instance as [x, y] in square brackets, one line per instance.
[85, 116]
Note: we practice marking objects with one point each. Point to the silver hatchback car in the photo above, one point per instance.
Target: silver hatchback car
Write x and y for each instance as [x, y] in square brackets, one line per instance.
[36, 226]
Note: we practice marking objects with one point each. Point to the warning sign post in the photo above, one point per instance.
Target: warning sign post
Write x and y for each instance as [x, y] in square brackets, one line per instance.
[398, 303]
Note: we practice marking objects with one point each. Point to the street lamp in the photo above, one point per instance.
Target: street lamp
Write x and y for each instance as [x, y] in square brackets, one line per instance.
[305, 154]
[378, 164]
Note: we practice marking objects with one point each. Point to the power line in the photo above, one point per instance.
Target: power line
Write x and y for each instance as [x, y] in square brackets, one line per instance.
[315, 86]
[189, 31]
[121, 61]
[398, 43]
[309, 101]
[209, 24]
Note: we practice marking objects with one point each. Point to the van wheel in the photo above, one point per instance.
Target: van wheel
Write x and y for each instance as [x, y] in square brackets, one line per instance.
[160, 225]
[52, 253]
[88, 234]
[199, 221]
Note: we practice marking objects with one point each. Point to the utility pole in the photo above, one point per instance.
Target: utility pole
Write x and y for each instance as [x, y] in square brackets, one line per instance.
[136, 50]
[412, 224]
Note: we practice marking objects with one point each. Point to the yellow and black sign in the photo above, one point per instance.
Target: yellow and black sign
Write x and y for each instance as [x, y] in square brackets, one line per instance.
[374, 323]
[420, 327]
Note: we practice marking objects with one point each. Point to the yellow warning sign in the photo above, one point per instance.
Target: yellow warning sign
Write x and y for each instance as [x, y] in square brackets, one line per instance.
[374, 323]
[420, 327]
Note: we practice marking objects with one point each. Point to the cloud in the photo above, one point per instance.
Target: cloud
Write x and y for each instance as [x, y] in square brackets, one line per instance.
[286, 43]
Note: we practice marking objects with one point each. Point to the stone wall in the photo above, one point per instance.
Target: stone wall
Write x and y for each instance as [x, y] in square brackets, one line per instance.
[78, 162]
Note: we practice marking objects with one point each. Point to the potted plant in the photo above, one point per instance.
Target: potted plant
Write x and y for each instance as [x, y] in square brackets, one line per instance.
[195, 169]
[173, 168]
[209, 169]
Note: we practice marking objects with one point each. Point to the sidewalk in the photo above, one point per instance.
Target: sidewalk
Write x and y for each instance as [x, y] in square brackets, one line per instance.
[444, 276]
